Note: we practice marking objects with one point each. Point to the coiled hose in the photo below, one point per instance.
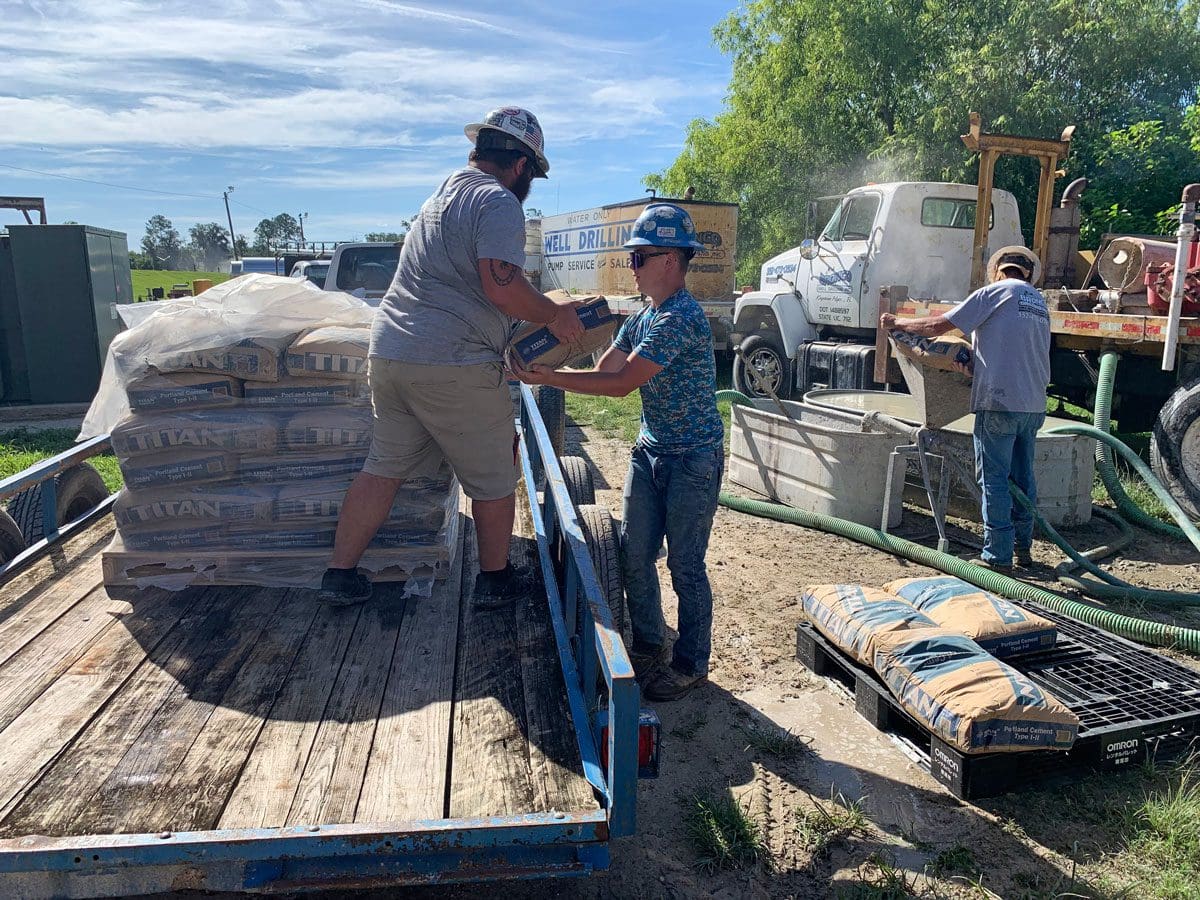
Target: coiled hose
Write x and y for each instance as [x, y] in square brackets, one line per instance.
[1155, 633]
[1101, 417]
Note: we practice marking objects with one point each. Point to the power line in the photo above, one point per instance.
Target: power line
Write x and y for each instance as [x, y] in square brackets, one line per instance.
[249, 207]
[122, 187]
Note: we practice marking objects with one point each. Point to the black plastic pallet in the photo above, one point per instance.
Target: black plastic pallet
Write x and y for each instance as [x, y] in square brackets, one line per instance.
[1132, 704]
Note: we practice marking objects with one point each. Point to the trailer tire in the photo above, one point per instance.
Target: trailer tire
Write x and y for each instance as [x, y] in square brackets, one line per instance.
[76, 490]
[767, 357]
[552, 406]
[604, 546]
[579, 481]
[12, 542]
[1175, 447]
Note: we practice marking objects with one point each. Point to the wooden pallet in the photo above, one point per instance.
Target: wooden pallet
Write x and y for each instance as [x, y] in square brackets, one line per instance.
[1102, 747]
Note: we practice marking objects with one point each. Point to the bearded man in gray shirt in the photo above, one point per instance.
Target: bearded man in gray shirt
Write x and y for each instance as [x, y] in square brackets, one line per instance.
[1010, 338]
[437, 378]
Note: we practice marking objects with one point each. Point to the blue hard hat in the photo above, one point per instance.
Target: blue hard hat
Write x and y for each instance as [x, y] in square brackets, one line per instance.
[664, 225]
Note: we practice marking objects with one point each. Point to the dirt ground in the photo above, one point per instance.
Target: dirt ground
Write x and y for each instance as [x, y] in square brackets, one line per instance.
[1051, 842]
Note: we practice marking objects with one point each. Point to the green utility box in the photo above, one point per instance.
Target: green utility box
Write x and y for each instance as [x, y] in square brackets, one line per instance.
[59, 290]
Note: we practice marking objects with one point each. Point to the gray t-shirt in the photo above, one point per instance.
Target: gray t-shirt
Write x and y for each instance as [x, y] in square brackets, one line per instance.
[1010, 335]
[435, 312]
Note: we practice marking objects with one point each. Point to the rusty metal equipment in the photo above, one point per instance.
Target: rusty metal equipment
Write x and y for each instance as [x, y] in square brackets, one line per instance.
[990, 148]
[26, 205]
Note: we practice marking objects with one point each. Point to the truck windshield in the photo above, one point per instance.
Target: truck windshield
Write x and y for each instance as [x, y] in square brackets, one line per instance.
[369, 268]
[853, 218]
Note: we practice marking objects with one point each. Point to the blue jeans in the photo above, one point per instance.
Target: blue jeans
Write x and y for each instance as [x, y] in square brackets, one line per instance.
[671, 496]
[1004, 444]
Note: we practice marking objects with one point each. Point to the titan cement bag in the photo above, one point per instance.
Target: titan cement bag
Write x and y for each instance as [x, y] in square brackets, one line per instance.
[332, 351]
[199, 430]
[853, 616]
[967, 697]
[238, 329]
[155, 470]
[533, 343]
[285, 467]
[182, 390]
[321, 502]
[332, 428]
[937, 353]
[290, 391]
[193, 506]
[999, 626]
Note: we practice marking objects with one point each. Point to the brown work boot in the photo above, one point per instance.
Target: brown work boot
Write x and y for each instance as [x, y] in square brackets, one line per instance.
[1023, 558]
[671, 684]
[994, 566]
[647, 660]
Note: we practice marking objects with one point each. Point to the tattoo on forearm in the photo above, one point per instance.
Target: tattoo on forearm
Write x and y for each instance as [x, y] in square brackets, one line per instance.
[502, 272]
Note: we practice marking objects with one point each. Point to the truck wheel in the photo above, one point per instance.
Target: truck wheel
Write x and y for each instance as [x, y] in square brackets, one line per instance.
[1175, 447]
[578, 477]
[76, 490]
[12, 542]
[768, 359]
[552, 406]
[604, 547]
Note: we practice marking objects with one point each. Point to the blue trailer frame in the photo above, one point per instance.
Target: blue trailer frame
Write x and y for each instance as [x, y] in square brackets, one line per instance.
[313, 858]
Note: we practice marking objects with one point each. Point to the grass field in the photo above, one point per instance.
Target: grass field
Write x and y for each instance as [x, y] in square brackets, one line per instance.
[144, 279]
[20, 449]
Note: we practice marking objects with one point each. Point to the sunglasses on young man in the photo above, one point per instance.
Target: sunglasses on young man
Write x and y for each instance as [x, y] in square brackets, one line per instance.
[637, 258]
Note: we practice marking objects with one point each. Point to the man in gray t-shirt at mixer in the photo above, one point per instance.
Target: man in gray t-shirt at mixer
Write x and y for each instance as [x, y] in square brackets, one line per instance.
[438, 387]
[1010, 338]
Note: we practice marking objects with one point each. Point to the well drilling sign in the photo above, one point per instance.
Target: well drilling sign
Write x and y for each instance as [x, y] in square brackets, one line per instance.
[582, 251]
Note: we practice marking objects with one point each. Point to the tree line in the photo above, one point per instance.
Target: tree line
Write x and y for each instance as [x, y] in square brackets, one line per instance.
[208, 246]
[826, 95]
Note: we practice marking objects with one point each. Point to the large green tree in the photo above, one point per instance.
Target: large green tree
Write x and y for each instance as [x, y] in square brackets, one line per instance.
[826, 94]
[209, 245]
[271, 233]
[161, 243]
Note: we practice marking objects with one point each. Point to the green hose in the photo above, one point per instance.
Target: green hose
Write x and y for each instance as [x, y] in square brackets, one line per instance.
[1156, 633]
[1101, 418]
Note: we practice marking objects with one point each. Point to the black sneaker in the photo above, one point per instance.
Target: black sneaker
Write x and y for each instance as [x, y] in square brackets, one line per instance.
[498, 592]
[1023, 558]
[344, 587]
[994, 566]
[671, 684]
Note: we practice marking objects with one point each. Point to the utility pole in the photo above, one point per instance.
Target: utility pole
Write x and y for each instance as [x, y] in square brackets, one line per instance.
[301, 219]
[229, 216]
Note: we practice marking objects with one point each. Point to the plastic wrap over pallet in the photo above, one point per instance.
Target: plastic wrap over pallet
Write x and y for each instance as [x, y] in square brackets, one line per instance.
[239, 419]
[999, 626]
[853, 616]
[967, 697]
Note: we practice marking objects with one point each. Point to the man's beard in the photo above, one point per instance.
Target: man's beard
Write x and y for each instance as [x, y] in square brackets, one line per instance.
[523, 184]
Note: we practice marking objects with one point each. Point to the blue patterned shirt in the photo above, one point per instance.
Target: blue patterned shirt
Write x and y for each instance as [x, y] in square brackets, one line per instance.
[679, 409]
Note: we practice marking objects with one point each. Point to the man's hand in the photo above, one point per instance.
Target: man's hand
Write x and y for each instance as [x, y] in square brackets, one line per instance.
[566, 325]
[887, 321]
[536, 373]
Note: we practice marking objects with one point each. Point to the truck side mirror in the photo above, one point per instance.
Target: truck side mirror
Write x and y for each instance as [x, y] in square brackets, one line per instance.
[808, 248]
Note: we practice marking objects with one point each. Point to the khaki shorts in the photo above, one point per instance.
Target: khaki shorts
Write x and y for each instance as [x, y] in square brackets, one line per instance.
[462, 414]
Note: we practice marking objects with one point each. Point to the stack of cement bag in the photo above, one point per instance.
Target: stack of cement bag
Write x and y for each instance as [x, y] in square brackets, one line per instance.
[928, 639]
[242, 424]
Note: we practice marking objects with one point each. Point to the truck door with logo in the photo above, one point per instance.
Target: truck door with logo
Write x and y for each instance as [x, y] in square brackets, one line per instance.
[834, 274]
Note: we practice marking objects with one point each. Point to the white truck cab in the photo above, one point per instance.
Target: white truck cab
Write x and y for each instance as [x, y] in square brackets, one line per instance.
[363, 269]
[827, 290]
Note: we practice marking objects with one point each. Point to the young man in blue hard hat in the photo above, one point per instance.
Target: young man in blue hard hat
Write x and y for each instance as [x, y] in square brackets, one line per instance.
[1010, 336]
[437, 380]
[665, 351]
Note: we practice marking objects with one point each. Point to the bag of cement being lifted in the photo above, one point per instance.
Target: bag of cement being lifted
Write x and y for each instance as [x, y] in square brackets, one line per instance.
[237, 329]
[289, 391]
[533, 343]
[946, 352]
[853, 616]
[183, 390]
[999, 626]
[331, 351]
[967, 697]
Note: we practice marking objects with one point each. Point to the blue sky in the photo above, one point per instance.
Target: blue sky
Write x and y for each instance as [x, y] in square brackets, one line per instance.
[349, 110]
